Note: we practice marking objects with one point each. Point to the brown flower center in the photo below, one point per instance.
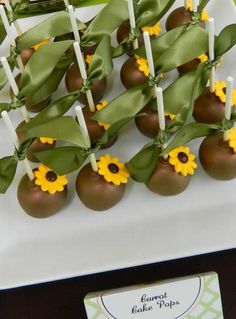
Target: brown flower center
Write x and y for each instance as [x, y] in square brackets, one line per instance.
[183, 157]
[51, 176]
[224, 90]
[113, 168]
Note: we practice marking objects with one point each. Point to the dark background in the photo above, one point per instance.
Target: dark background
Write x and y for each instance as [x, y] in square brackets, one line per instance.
[64, 299]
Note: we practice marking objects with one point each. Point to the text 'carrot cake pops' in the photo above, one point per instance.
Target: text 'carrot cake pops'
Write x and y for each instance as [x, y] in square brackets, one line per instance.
[100, 185]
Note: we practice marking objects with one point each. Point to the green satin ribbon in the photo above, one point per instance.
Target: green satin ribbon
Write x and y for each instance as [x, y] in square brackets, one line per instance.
[142, 165]
[202, 5]
[192, 43]
[63, 160]
[63, 128]
[39, 68]
[8, 167]
[102, 64]
[126, 105]
[226, 40]
[150, 12]
[190, 132]
[2, 31]
[107, 20]
[56, 25]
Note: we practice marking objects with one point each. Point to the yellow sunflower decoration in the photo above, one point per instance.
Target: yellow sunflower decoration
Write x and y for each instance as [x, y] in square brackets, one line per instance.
[182, 160]
[220, 91]
[170, 115]
[99, 107]
[49, 181]
[203, 57]
[47, 140]
[143, 66]
[89, 59]
[153, 30]
[40, 44]
[232, 138]
[204, 14]
[112, 170]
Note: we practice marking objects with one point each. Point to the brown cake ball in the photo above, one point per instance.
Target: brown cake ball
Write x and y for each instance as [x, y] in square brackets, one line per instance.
[172, 175]
[217, 158]
[95, 130]
[74, 82]
[38, 203]
[130, 73]
[148, 124]
[26, 54]
[123, 32]
[34, 108]
[178, 17]
[189, 66]
[39, 144]
[94, 189]
[208, 108]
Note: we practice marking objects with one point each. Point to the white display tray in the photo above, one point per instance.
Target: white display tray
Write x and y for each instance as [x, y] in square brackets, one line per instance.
[143, 228]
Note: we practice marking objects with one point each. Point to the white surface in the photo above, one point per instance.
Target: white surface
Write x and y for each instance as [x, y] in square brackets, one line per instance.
[143, 228]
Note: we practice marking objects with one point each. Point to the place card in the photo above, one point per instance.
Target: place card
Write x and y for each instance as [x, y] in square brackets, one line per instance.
[193, 297]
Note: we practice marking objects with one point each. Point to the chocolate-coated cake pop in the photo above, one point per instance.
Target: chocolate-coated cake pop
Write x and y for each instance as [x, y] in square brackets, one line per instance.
[166, 181]
[95, 192]
[208, 108]
[178, 17]
[130, 73]
[217, 158]
[38, 203]
[74, 82]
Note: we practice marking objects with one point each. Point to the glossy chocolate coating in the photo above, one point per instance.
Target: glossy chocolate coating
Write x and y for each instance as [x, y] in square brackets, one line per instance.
[74, 82]
[95, 130]
[217, 158]
[165, 181]
[26, 54]
[36, 146]
[148, 125]
[178, 17]
[189, 66]
[37, 203]
[123, 32]
[28, 104]
[130, 74]
[94, 192]
[208, 108]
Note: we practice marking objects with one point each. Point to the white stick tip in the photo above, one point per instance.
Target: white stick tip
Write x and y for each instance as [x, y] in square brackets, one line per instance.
[4, 114]
[159, 90]
[145, 34]
[76, 44]
[70, 8]
[230, 79]
[78, 108]
[211, 20]
[3, 59]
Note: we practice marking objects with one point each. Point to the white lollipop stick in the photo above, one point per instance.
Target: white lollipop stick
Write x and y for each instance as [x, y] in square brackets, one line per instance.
[73, 23]
[16, 142]
[211, 46]
[16, 23]
[11, 37]
[85, 133]
[66, 3]
[132, 20]
[80, 60]
[229, 90]
[160, 107]
[148, 50]
[14, 86]
[194, 5]
[186, 4]
[7, 26]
